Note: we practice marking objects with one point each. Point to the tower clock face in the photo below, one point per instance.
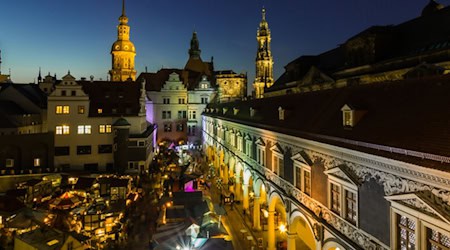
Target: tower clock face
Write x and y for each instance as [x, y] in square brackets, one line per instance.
[117, 47]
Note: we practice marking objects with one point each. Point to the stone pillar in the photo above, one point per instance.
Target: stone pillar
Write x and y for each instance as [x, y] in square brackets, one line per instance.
[291, 240]
[257, 214]
[238, 195]
[225, 174]
[271, 231]
[245, 197]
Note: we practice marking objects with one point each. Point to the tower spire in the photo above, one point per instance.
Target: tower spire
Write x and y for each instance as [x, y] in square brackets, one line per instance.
[123, 7]
[39, 76]
[264, 59]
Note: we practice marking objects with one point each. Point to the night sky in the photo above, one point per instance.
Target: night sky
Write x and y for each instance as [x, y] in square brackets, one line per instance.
[77, 34]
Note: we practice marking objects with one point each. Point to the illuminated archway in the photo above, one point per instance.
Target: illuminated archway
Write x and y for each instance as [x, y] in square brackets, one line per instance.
[259, 202]
[301, 233]
[277, 221]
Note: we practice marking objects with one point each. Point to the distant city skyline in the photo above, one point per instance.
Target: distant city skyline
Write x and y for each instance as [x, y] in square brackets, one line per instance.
[77, 36]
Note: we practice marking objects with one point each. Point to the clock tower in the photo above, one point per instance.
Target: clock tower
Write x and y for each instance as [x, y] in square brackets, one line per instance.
[123, 52]
[264, 60]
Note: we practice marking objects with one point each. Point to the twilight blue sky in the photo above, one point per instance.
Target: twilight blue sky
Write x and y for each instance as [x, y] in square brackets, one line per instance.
[77, 34]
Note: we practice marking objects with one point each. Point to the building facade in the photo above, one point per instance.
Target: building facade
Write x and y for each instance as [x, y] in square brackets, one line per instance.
[100, 126]
[231, 86]
[356, 172]
[336, 163]
[264, 59]
[176, 98]
[123, 52]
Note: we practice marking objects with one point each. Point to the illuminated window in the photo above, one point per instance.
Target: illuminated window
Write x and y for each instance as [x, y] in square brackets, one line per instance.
[437, 241]
[62, 109]
[80, 109]
[406, 236]
[104, 129]
[84, 129]
[37, 162]
[99, 111]
[347, 118]
[62, 130]
[66, 129]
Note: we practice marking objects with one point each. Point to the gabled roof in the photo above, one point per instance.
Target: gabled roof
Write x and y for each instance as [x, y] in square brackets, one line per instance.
[344, 173]
[426, 201]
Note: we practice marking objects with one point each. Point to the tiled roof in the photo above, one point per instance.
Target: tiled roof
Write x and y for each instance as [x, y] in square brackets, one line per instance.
[114, 98]
[410, 114]
[420, 36]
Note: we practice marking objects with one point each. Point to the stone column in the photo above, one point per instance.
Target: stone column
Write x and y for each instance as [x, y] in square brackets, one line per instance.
[291, 240]
[238, 195]
[257, 214]
[245, 197]
[271, 231]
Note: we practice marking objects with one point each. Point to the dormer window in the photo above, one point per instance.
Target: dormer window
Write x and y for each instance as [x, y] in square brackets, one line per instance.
[351, 116]
[281, 112]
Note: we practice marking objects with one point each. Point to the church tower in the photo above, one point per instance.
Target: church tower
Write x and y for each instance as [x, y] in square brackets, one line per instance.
[264, 60]
[123, 52]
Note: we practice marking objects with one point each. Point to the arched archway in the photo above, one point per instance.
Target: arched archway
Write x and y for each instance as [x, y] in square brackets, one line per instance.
[259, 202]
[277, 221]
[300, 233]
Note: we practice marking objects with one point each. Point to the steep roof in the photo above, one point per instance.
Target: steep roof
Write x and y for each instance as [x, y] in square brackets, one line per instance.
[383, 45]
[114, 98]
[190, 78]
[408, 114]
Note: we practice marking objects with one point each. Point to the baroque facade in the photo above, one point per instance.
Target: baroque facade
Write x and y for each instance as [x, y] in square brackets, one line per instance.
[359, 166]
[336, 180]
